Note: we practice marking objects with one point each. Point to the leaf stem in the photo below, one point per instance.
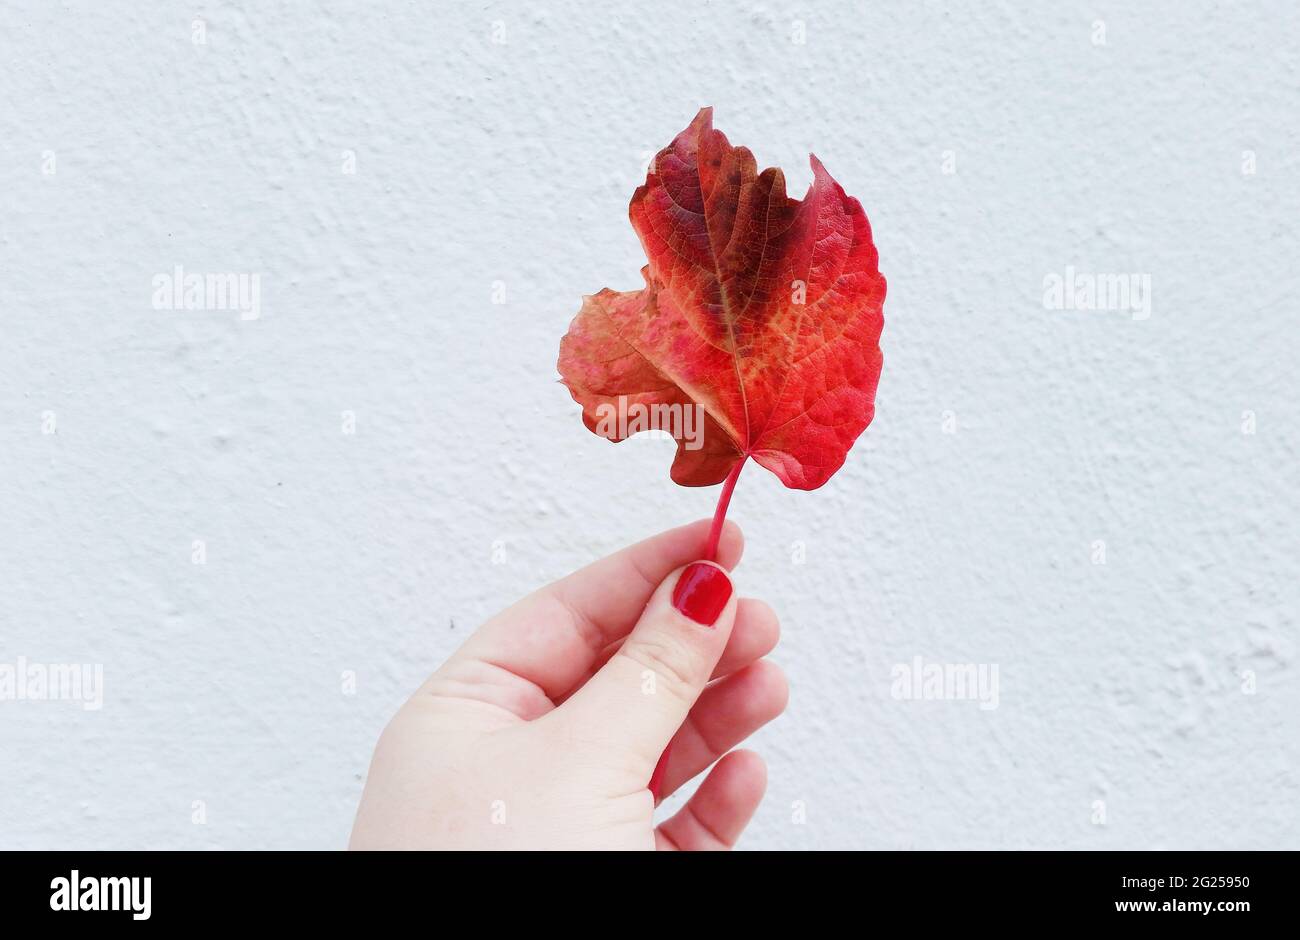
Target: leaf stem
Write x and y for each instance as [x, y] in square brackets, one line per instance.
[720, 514]
[711, 553]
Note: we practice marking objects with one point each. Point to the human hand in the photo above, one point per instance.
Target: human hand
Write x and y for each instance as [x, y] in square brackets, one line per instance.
[542, 731]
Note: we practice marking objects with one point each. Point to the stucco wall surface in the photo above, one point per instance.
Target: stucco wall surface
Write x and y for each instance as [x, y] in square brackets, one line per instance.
[1101, 503]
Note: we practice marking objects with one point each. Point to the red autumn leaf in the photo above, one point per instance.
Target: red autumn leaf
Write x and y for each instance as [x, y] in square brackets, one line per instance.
[762, 309]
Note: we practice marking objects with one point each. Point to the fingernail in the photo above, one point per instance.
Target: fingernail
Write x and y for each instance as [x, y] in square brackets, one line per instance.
[701, 592]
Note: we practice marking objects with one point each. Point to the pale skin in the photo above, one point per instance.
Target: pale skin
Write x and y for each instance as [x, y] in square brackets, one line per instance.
[543, 730]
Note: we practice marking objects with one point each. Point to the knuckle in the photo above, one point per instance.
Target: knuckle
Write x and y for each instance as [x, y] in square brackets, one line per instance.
[671, 660]
[762, 613]
[768, 611]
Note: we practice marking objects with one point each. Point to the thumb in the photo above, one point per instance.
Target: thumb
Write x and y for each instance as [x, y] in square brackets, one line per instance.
[641, 696]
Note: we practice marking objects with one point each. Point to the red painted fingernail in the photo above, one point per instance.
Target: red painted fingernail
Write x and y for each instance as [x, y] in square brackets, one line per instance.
[701, 592]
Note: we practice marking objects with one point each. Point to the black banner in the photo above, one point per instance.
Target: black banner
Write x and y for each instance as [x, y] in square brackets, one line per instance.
[1154, 889]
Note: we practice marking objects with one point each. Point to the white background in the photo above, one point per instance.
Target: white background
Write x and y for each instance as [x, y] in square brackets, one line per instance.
[479, 162]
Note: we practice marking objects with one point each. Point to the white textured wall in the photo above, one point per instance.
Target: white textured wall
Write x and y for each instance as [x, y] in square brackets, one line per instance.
[479, 162]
